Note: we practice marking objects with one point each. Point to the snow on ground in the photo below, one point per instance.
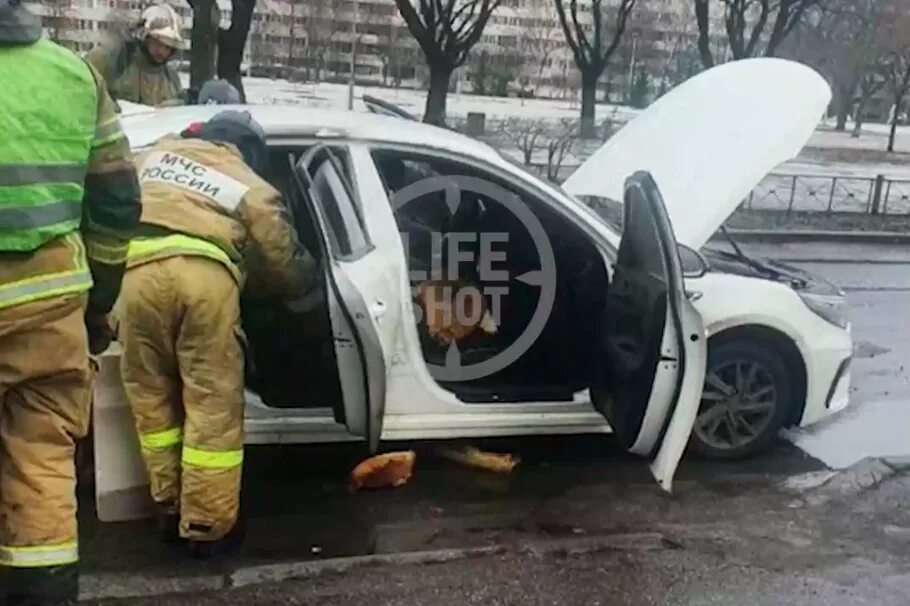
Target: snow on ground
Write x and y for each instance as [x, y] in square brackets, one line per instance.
[815, 166]
[262, 90]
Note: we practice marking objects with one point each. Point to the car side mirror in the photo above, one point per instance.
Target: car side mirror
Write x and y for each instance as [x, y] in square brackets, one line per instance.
[694, 264]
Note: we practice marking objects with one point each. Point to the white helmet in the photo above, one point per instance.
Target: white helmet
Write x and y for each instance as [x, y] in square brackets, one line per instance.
[162, 23]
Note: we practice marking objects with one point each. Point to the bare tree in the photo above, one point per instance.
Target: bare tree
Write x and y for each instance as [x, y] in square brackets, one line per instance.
[232, 41]
[895, 36]
[593, 35]
[561, 141]
[525, 135]
[679, 59]
[840, 39]
[319, 29]
[446, 31]
[645, 46]
[204, 41]
[746, 25]
[870, 84]
[539, 38]
[294, 9]
[390, 54]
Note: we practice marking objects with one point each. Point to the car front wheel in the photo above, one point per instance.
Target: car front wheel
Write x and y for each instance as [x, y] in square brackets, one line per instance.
[747, 394]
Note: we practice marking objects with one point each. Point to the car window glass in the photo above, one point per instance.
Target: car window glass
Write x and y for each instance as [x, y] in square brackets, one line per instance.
[640, 249]
[346, 233]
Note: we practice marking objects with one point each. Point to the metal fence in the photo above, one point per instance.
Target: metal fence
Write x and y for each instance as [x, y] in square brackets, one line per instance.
[816, 193]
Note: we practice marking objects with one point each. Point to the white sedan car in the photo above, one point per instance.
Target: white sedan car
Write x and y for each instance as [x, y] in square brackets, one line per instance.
[632, 333]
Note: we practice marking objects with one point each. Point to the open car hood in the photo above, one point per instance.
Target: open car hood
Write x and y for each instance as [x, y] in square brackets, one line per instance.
[709, 141]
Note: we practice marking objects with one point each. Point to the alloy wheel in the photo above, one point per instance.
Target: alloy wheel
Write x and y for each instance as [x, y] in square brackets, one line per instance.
[738, 404]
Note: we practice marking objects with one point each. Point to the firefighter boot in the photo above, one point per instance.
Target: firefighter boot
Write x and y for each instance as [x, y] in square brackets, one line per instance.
[207, 550]
[44, 586]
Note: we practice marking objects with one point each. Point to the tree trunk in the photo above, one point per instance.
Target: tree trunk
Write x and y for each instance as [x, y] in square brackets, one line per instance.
[438, 95]
[703, 19]
[895, 119]
[232, 41]
[858, 118]
[843, 102]
[204, 39]
[589, 79]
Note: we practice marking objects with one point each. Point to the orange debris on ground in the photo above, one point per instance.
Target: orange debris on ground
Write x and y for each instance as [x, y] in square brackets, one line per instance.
[471, 456]
[391, 469]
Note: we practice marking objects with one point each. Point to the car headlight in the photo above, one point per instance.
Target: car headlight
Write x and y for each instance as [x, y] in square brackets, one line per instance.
[832, 308]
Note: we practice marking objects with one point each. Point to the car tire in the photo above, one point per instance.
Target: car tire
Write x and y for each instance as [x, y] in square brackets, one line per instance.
[762, 396]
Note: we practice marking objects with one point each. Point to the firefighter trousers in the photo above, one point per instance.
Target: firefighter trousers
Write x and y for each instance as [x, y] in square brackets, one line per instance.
[182, 366]
[44, 408]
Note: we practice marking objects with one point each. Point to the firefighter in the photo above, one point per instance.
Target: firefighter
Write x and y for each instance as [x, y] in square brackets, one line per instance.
[69, 200]
[209, 219]
[137, 69]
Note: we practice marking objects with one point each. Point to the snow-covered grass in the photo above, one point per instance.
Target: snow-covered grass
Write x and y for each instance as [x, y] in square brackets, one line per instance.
[873, 137]
[855, 161]
[261, 90]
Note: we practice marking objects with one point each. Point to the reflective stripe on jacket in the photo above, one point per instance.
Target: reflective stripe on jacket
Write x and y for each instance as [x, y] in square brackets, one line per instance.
[144, 250]
[60, 269]
[205, 190]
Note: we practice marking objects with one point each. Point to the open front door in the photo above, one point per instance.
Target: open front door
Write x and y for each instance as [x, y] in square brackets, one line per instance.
[364, 305]
[655, 347]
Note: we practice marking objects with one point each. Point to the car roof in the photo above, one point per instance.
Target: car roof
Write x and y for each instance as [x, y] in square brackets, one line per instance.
[297, 121]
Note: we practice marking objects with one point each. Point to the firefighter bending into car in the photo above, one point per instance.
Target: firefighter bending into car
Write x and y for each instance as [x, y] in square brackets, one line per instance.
[209, 220]
[69, 201]
[137, 68]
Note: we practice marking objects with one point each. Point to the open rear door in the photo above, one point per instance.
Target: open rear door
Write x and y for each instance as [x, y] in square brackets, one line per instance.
[654, 348]
[364, 304]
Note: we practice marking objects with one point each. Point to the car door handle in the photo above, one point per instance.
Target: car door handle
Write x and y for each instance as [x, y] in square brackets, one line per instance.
[693, 295]
[378, 309]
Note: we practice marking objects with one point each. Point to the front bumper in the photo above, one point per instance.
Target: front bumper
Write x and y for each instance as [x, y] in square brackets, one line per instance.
[828, 375]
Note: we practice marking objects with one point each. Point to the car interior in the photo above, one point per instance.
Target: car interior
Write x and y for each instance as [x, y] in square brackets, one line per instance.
[608, 342]
[291, 352]
[581, 282]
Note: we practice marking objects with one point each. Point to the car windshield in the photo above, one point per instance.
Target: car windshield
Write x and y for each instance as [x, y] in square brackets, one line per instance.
[606, 210]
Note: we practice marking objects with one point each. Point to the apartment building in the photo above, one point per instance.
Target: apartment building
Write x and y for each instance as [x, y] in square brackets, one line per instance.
[313, 39]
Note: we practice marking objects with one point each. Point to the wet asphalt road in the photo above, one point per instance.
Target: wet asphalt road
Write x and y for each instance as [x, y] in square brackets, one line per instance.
[877, 283]
[743, 541]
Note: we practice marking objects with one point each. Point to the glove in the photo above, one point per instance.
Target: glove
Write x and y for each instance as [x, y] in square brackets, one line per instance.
[100, 333]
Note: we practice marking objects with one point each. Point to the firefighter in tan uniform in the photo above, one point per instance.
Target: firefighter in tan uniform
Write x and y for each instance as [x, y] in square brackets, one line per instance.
[69, 201]
[208, 219]
[138, 68]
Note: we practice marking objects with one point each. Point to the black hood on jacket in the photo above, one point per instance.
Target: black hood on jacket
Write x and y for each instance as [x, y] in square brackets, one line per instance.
[239, 129]
[18, 25]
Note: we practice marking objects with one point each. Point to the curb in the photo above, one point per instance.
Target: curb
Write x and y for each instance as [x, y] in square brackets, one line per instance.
[854, 237]
[114, 586]
[818, 488]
